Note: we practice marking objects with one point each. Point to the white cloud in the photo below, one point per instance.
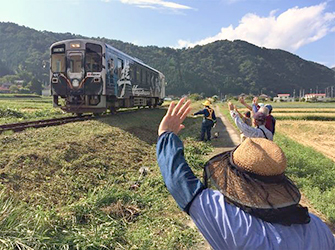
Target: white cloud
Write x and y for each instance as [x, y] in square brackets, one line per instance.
[289, 30]
[156, 4]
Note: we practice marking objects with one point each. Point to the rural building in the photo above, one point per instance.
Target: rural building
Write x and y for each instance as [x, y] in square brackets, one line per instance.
[283, 98]
[317, 97]
[264, 96]
[4, 90]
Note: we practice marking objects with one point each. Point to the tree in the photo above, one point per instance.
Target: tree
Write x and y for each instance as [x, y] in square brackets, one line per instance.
[35, 86]
[14, 89]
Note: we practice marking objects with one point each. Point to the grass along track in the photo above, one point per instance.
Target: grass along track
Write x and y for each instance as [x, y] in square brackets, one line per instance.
[72, 186]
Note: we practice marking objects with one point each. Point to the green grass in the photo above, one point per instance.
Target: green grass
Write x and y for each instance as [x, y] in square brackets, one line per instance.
[313, 173]
[25, 108]
[293, 105]
[75, 186]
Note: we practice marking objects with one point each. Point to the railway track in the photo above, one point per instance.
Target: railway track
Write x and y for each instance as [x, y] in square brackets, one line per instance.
[16, 127]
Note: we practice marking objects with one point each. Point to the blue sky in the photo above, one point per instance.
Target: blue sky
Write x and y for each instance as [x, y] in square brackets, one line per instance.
[303, 27]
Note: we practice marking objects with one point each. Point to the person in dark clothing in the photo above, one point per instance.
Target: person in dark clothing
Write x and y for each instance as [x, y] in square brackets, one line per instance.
[270, 120]
[208, 121]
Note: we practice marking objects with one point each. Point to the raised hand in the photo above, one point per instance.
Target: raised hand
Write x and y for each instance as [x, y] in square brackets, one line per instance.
[231, 106]
[255, 100]
[241, 99]
[174, 117]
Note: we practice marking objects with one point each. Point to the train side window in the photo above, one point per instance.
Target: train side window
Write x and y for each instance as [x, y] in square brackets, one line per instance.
[133, 73]
[138, 75]
[144, 76]
[93, 57]
[111, 66]
[120, 65]
[148, 78]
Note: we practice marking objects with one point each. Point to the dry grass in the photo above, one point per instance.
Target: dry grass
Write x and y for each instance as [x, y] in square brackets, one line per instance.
[316, 134]
[305, 114]
[307, 110]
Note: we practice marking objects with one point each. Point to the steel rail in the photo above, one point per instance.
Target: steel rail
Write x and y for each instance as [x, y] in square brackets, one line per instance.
[17, 127]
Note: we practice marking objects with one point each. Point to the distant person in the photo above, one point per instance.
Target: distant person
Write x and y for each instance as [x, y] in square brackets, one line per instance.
[261, 107]
[260, 131]
[255, 207]
[208, 121]
[270, 120]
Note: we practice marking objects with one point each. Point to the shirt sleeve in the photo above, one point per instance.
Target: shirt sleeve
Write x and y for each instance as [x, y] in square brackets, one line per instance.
[214, 116]
[245, 129]
[200, 112]
[179, 179]
[254, 108]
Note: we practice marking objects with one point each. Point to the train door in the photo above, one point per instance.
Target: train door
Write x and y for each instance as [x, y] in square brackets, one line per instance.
[110, 78]
[75, 69]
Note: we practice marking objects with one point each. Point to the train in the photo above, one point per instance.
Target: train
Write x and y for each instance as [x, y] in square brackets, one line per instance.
[88, 76]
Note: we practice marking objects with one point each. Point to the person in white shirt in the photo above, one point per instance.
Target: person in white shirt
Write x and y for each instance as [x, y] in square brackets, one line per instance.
[260, 131]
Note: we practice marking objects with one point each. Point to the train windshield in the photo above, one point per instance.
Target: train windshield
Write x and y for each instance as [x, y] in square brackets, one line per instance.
[93, 62]
[58, 58]
[75, 62]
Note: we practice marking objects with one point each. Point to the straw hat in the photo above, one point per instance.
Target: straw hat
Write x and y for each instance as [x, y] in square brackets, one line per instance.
[252, 175]
[206, 103]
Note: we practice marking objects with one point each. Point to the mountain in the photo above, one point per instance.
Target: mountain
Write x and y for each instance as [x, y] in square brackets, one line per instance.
[221, 67]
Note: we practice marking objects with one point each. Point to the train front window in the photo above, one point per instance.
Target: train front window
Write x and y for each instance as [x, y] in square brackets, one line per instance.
[75, 63]
[58, 63]
[93, 61]
[58, 58]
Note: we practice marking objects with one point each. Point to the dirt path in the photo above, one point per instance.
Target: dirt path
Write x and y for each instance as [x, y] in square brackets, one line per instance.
[228, 138]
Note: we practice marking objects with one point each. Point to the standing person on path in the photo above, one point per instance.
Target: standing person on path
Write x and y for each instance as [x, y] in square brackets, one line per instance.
[260, 131]
[256, 206]
[208, 121]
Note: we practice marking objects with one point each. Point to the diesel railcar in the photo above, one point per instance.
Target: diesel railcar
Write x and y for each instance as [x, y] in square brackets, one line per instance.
[89, 76]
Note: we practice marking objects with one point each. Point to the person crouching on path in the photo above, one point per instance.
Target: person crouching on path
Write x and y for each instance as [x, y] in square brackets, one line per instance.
[255, 207]
[260, 131]
[208, 121]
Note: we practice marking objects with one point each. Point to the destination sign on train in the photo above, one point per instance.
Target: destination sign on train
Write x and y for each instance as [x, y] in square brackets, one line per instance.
[58, 50]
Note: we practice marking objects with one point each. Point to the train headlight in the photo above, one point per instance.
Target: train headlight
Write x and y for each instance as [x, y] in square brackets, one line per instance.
[75, 83]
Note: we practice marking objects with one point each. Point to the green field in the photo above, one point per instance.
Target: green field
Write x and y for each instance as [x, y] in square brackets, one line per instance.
[78, 186]
[26, 108]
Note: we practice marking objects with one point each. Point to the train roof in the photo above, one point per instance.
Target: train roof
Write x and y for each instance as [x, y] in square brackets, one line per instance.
[107, 46]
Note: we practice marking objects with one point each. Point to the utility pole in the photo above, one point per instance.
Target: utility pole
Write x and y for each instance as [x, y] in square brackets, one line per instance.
[317, 90]
[294, 93]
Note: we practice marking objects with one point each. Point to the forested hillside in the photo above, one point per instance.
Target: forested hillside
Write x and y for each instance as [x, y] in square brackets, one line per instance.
[220, 67]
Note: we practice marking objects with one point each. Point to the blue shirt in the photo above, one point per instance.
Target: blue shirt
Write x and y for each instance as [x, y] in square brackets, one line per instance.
[226, 226]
